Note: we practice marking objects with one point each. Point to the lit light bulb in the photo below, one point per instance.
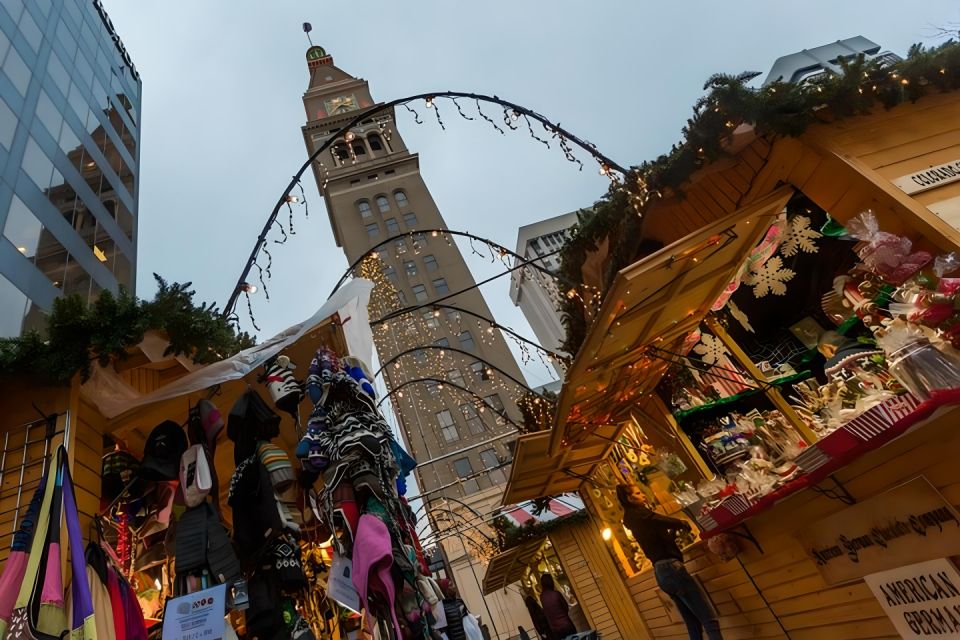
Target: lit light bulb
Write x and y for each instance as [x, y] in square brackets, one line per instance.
[292, 199]
[515, 115]
[350, 136]
[429, 102]
[246, 287]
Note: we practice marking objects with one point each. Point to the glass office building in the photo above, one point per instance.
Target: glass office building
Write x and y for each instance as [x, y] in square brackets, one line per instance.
[69, 158]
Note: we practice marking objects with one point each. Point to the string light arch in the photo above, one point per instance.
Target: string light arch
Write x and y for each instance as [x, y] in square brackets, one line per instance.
[512, 114]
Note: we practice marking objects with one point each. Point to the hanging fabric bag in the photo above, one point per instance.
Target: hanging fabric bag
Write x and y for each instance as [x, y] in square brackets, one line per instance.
[26, 613]
[16, 565]
[83, 625]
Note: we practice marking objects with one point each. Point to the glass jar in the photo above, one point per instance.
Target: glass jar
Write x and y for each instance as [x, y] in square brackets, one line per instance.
[922, 368]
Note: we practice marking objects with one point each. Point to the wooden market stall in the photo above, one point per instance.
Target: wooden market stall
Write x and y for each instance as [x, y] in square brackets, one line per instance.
[791, 578]
[122, 403]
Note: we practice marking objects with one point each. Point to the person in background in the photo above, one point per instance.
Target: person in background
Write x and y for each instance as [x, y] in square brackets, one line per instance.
[454, 609]
[536, 617]
[555, 609]
[656, 534]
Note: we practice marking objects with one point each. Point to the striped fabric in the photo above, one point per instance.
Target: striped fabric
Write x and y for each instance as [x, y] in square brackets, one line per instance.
[563, 505]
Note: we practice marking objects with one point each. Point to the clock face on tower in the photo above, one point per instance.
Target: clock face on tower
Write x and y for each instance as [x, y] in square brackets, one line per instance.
[341, 104]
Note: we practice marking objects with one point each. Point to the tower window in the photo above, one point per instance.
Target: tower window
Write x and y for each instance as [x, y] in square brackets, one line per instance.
[373, 229]
[466, 341]
[359, 149]
[472, 418]
[454, 376]
[410, 219]
[440, 286]
[464, 471]
[493, 465]
[401, 198]
[411, 267]
[432, 321]
[420, 292]
[340, 151]
[383, 204]
[375, 143]
[496, 404]
[430, 263]
[442, 342]
[401, 246]
[392, 226]
[363, 206]
[447, 426]
[480, 372]
[391, 273]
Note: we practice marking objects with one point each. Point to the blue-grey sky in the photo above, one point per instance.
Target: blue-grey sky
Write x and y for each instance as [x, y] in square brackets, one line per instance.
[222, 111]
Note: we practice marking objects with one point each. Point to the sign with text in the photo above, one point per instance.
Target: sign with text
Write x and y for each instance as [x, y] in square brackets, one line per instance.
[907, 524]
[922, 600]
[196, 616]
[929, 178]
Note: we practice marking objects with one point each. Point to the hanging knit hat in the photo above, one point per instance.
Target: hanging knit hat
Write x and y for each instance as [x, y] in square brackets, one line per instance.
[278, 465]
[251, 420]
[372, 562]
[285, 390]
[118, 468]
[161, 455]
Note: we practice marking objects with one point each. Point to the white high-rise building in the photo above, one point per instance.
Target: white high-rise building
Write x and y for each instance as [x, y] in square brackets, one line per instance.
[535, 292]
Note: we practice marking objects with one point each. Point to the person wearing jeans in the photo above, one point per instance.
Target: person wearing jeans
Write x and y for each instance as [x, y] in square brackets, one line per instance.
[657, 536]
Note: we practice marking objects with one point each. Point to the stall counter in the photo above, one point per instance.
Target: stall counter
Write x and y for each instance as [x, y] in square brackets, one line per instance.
[774, 588]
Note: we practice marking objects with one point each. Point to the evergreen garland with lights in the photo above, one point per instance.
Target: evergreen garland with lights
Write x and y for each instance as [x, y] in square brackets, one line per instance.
[777, 109]
[79, 334]
[510, 535]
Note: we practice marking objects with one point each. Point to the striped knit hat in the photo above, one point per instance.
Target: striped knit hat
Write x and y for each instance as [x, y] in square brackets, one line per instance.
[278, 464]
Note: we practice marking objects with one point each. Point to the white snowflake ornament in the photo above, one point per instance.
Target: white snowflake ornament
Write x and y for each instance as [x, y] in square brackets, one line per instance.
[799, 236]
[710, 349]
[770, 277]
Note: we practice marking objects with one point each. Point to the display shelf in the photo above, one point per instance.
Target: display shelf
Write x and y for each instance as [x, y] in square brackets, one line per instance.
[900, 416]
[722, 402]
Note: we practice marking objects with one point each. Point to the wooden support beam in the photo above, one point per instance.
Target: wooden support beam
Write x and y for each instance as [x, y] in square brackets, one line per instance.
[774, 394]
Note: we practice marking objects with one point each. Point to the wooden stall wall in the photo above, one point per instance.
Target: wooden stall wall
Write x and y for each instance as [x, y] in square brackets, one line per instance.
[86, 457]
[779, 593]
[603, 597]
[742, 611]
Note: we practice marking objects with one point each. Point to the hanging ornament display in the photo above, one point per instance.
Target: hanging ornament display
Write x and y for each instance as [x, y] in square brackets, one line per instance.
[770, 277]
[798, 235]
[740, 316]
[710, 349]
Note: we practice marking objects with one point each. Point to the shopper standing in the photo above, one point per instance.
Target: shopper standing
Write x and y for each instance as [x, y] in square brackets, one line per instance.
[537, 618]
[555, 609]
[454, 610]
[657, 536]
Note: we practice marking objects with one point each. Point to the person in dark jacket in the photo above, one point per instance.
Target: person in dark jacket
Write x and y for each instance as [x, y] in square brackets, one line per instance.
[657, 536]
[537, 618]
[455, 610]
[555, 609]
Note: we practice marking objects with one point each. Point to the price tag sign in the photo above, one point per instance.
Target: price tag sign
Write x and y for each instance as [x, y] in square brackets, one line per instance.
[197, 616]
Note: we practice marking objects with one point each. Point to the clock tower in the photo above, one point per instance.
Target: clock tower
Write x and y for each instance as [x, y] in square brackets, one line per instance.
[373, 192]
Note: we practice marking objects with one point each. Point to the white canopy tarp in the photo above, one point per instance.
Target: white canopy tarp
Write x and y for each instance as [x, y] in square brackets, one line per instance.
[113, 396]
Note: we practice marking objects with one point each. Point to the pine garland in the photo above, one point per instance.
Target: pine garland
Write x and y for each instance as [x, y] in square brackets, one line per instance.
[537, 410]
[778, 109]
[510, 535]
[78, 334]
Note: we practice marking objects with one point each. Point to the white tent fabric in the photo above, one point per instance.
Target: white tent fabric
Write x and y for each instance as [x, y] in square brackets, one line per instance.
[113, 396]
